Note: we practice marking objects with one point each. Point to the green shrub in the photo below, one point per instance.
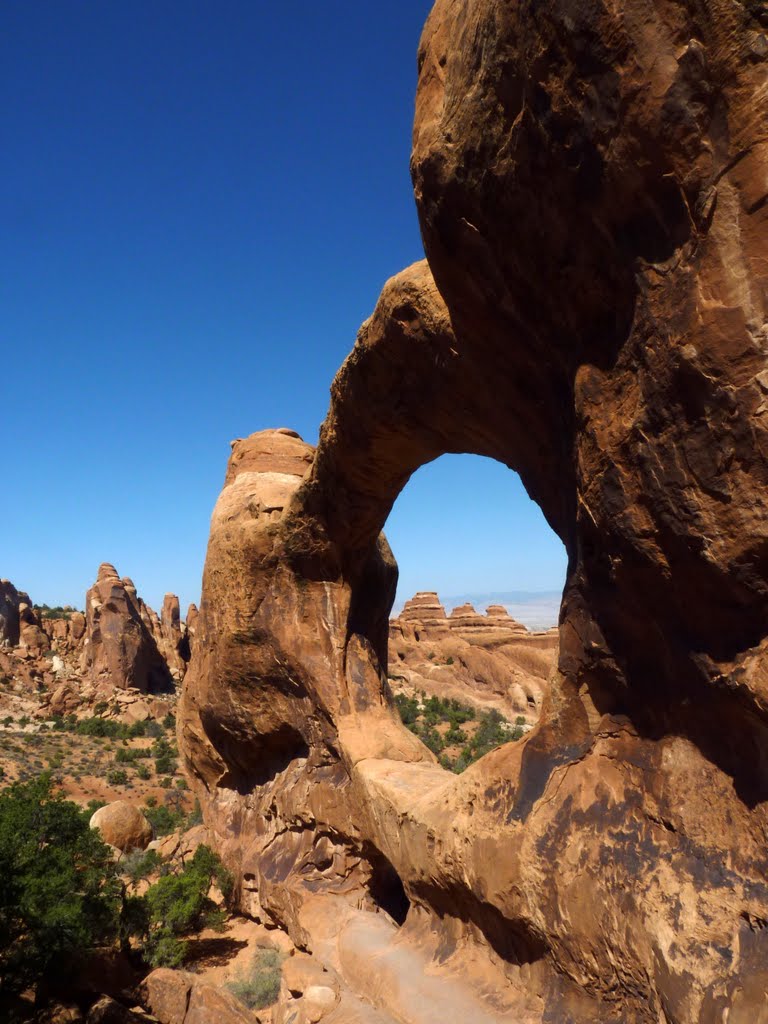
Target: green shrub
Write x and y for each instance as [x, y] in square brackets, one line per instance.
[162, 819]
[195, 816]
[259, 987]
[408, 708]
[179, 904]
[140, 864]
[117, 777]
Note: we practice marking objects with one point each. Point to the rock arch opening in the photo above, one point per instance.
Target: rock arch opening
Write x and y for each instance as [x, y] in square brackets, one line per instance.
[472, 637]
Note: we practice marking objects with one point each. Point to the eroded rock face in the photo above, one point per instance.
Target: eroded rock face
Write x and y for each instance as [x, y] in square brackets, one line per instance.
[591, 183]
[119, 647]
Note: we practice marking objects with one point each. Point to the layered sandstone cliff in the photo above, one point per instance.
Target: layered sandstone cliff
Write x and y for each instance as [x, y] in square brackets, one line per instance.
[591, 186]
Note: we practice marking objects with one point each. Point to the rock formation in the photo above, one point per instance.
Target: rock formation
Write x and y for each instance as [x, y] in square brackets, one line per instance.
[486, 661]
[425, 609]
[111, 658]
[591, 187]
[120, 648]
[10, 598]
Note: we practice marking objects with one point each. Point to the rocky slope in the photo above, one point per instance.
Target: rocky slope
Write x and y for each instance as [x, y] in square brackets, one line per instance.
[591, 187]
[485, 661]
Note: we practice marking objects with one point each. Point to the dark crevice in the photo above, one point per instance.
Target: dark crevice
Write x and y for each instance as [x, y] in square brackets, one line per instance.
[255, 760]
[385, 885]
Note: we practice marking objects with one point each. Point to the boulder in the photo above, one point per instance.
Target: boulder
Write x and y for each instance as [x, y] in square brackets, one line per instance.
[123, 826]
[177, 997]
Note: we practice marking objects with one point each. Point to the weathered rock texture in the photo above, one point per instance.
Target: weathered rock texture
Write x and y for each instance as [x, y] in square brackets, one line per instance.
[592, 186]
[177, 997]
[486, 661]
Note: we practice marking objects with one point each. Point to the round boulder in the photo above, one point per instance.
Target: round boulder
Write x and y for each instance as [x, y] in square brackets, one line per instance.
[122, 825]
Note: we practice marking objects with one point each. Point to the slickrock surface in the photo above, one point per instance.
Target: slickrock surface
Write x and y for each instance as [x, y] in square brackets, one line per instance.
[591, 182]
[486, 661]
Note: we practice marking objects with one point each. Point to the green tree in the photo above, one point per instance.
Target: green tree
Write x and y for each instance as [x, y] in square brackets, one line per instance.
[59, 894]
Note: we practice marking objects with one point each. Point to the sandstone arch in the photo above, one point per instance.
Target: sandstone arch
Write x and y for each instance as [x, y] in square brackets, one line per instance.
[591, 182]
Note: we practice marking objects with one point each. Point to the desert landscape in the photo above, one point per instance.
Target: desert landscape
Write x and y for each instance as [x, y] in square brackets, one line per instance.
[291, 807]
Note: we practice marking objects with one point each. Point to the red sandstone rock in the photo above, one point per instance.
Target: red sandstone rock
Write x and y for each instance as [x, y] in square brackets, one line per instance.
[487, 661]
[591, 185]
[120, 650]
[177, 997]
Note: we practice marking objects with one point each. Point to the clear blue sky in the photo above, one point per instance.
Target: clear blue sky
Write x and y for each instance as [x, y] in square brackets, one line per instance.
[200, 202]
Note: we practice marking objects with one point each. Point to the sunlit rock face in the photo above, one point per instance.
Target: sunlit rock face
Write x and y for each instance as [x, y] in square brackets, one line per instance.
[592, 184]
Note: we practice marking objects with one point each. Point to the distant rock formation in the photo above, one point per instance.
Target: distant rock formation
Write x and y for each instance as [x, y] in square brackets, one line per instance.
[425, 611]
[487, 661]
[10, 599]
[120, 649]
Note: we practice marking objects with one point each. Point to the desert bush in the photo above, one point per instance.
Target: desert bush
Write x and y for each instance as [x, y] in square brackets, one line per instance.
[178, 904]
[259, 986]
[139, 864]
